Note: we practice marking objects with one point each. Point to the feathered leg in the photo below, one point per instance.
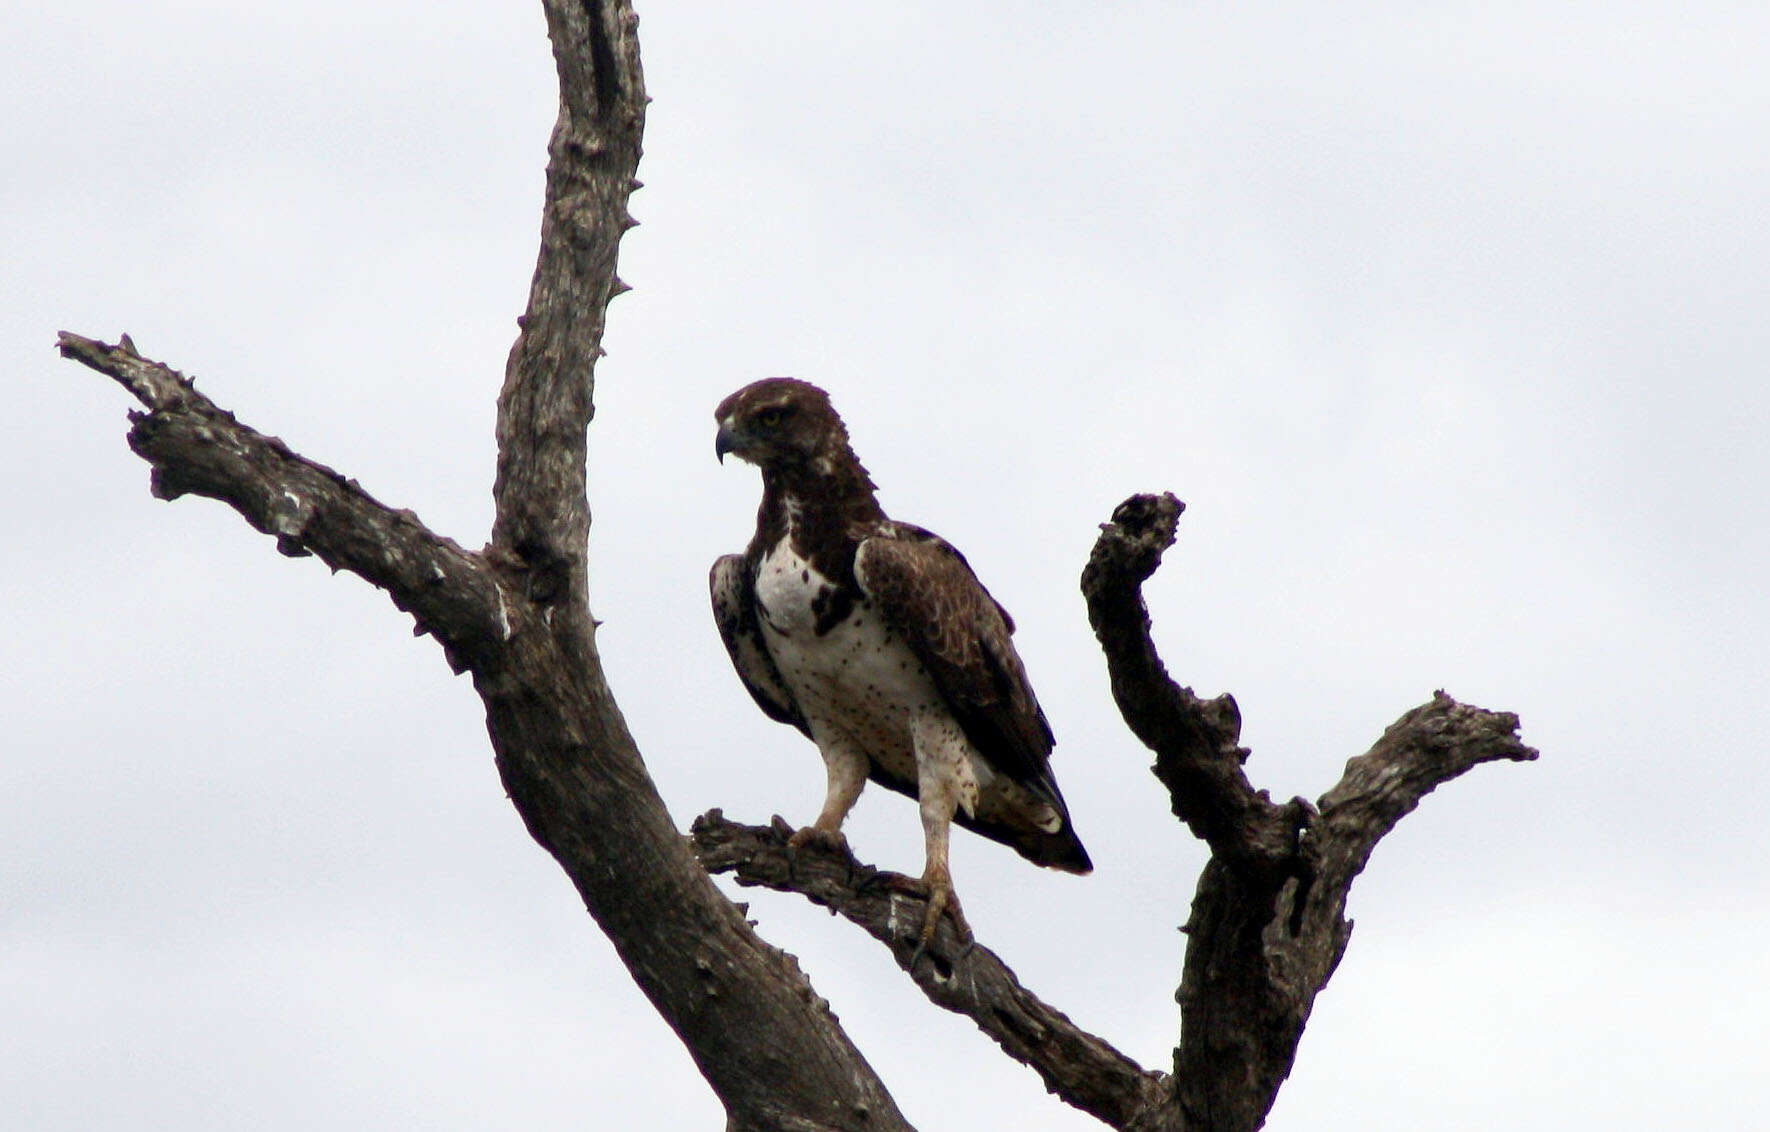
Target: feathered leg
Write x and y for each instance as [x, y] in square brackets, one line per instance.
[944, 782]
[847, 770]
[937, 875]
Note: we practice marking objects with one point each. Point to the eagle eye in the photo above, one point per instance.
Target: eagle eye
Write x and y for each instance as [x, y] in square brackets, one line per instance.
[772, 415]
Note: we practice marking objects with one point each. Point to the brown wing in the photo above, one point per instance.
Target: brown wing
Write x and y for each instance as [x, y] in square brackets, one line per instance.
[926, 592]
[734, 609]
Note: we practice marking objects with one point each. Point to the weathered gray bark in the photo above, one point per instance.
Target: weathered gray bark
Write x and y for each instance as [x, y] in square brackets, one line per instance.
[1267, 926]
[1266, 929]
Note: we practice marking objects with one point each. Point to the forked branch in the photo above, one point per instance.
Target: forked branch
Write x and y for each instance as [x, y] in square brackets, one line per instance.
[1267, 926]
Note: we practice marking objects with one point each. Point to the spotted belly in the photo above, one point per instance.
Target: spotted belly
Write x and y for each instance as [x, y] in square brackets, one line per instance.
[857, 683]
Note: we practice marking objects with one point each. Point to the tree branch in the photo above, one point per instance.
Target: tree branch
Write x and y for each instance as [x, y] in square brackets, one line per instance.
[1267, 927]
[1421, 751]
[543, 513]
[1196, 742]
[972, 980]
[195, 447]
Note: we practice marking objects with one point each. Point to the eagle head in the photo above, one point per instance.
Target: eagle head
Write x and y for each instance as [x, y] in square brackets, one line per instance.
[779, 422]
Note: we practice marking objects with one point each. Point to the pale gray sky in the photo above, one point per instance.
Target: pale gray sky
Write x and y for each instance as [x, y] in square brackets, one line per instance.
[1448, 322]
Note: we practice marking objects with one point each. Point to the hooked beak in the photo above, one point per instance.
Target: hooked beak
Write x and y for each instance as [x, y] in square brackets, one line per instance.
[726, 441]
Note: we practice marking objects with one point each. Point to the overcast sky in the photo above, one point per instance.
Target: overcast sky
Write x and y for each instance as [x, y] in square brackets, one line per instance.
[1451, 324]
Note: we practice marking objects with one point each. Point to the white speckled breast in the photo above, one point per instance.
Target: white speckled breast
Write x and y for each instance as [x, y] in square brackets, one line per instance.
[858, 683]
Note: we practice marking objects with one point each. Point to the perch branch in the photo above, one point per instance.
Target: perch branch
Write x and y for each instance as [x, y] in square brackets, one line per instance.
[1079, 1067]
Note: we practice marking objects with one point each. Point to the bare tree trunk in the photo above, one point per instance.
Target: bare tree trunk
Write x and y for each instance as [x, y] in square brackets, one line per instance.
[517, 617]
[1266, 928]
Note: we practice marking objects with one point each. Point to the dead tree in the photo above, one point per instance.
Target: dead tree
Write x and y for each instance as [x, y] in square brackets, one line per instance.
[1266, 929]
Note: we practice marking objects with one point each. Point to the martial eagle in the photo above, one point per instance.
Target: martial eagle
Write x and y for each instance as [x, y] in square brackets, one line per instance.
[875, 639]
